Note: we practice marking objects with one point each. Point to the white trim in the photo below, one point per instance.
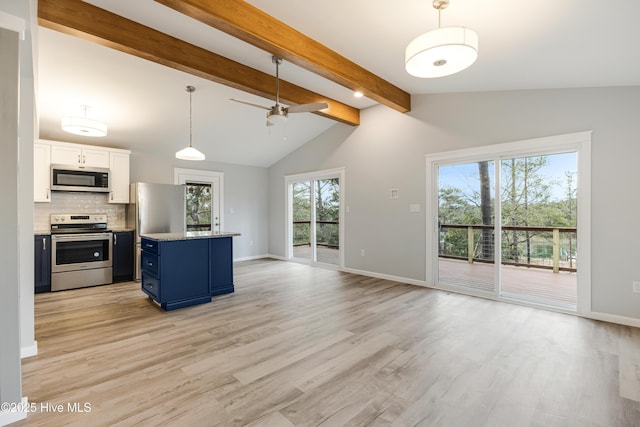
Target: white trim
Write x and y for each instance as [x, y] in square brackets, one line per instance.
[7, 417]
[251, 258]
[613, 318]
[579, 142]
[288, 227]
[29, 351]
[584, 226]
[403, 280]
[276, 257]
[181, 175]
[524, 147]
[12, 23]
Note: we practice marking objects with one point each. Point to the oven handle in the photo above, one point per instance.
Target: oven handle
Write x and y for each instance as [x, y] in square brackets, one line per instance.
[82, 237]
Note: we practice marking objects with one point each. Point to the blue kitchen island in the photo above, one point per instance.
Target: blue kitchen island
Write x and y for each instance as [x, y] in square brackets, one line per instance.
[184, 269]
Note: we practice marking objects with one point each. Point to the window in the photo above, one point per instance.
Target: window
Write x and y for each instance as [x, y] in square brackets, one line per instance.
[198, 206]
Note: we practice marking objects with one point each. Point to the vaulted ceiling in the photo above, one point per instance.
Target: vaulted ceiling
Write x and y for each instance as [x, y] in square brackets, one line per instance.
[131, 62]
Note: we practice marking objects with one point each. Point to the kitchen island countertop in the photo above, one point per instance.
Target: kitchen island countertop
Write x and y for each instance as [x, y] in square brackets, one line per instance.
[189, 235]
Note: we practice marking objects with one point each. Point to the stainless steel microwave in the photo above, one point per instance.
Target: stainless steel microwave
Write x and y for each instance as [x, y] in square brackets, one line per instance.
[72, 178]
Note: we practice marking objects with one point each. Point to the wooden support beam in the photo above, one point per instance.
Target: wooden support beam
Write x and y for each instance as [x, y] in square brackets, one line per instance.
[246, 22]
[80, 19]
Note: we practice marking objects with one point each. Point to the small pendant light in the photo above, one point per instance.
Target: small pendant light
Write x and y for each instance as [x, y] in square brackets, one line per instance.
[190, 153]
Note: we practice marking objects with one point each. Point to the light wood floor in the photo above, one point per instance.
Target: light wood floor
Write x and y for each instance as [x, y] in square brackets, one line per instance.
[303, 346]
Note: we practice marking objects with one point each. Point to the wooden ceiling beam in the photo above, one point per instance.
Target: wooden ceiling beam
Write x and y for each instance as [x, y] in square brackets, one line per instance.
[83, 20]
[250, 24]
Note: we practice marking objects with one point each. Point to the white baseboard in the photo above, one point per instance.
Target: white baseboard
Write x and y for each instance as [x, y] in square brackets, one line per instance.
[251, 258]
[613, 318]
[278, 257]
[10, 417]
[30, 350]
[422, 283]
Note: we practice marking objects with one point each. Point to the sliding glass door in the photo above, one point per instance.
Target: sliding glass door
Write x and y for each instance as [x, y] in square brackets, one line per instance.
[314, 223]
[531, 228]
[539, 229]
[466, 225]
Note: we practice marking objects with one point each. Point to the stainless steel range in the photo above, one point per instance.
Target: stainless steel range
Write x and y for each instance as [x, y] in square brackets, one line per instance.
[81, 247]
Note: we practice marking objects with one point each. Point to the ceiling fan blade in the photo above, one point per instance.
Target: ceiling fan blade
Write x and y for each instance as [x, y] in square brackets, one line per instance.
[307, 108]
[249, 103]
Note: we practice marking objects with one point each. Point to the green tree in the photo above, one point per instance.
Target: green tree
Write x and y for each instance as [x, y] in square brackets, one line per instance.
[198, 205]
[301, 212]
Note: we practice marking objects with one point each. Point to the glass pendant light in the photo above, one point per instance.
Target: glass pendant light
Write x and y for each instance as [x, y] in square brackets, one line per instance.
[190, 153]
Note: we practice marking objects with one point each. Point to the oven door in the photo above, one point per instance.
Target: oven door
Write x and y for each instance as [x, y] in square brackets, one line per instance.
[71, 252]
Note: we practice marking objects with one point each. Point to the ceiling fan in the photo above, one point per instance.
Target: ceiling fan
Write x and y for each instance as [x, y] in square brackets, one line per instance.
[279, 113]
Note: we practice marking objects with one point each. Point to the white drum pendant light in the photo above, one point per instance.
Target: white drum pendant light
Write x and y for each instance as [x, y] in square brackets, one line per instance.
[83, 126]
[441, 52]
[190, 153]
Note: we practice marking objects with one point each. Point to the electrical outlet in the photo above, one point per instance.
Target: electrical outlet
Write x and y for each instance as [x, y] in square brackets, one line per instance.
[636, 286]
[361, 252]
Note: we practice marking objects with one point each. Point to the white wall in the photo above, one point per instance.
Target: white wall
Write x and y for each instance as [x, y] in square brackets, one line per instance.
[16, 189]
[387, 151]
[10, 383]
[245, 191]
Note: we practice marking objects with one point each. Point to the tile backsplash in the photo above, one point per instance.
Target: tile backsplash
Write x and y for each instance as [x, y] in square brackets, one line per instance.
[64, 202]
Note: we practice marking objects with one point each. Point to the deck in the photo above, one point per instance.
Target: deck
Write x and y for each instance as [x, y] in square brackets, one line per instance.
[544, 286]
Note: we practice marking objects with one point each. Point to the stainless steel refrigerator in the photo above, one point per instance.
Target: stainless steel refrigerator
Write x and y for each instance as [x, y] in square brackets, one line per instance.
[155, 208]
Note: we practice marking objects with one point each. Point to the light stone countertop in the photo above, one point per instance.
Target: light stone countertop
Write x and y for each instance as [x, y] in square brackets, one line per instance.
[189, 235]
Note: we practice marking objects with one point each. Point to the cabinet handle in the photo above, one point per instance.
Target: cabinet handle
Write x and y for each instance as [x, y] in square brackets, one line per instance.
[47, 194]
[84, 159]
[79, 161]
[115, 239]
[44, 243]
[148, 245]
[149, 264]
[112, 196]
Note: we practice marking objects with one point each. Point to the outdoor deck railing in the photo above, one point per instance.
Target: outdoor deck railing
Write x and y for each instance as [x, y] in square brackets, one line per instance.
[551, 248]
[301, 234]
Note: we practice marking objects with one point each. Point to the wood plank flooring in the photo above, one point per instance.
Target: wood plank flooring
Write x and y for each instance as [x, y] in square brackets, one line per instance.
[302, 346]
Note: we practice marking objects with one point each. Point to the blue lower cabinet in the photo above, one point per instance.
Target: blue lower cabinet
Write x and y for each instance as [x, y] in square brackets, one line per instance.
[221, 265]
[175, 273]
[42, 263]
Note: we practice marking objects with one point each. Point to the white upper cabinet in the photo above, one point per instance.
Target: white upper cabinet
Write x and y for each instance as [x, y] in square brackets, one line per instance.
[46, 153]
[41, 172]
[119, 166]
[80, 156]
